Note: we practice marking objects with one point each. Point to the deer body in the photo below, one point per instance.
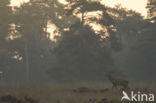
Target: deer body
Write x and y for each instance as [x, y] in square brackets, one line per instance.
[117, 81]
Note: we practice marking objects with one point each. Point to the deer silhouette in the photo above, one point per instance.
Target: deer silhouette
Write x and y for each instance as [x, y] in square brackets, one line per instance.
[117, 81]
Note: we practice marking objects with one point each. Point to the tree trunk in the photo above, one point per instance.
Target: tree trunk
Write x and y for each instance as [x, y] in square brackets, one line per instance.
[82, 18]
[27, 61]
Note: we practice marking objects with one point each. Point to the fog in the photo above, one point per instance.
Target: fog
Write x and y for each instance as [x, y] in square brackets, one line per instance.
[74, 49]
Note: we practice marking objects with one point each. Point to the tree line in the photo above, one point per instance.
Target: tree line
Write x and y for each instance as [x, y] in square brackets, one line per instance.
[124, 44]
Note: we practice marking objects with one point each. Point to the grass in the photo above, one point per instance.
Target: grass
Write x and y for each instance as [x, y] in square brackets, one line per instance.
[63, 93]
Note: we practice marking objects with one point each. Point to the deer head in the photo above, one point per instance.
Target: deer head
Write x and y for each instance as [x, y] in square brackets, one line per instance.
[109, 75]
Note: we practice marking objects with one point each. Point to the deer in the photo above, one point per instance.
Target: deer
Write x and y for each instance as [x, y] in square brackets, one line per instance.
[117, 81]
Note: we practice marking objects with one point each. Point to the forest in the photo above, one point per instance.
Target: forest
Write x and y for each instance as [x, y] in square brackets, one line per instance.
[83, 40]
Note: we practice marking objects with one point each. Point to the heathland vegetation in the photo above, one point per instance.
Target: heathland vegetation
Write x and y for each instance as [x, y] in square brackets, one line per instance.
[69, 50]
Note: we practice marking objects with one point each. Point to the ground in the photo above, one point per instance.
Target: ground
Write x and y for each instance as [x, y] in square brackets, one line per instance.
[71, 92]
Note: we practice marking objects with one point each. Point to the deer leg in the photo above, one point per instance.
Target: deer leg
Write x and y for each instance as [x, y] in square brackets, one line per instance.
[125, 86]
[114, 86]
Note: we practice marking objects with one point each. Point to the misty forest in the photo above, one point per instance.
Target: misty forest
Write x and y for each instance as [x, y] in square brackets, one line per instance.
[74, 52]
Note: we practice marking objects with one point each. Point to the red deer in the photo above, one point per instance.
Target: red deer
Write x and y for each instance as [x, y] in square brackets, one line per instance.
[117, 82]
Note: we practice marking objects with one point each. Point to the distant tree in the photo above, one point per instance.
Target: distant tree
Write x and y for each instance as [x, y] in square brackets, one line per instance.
[33, 43]
[80, 56]
[83, 7]
[138, 39]
[80, 53]
[145, 48]
[129, 25]
[5, 21]
[151, 7]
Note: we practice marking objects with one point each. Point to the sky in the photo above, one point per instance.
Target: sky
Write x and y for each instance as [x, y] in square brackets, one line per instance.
[17, 2]
[137, 5]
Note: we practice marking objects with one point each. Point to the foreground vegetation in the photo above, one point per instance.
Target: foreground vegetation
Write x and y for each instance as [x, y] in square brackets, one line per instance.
[71, 93]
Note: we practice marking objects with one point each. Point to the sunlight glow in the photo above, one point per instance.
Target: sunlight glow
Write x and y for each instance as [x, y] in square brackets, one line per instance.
[137, 5]
[18, 2]
[52, 30]
[63, 1]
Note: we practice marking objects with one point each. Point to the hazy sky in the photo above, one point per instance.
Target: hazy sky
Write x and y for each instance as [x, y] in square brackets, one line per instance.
[17, 2]
[138, 5]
